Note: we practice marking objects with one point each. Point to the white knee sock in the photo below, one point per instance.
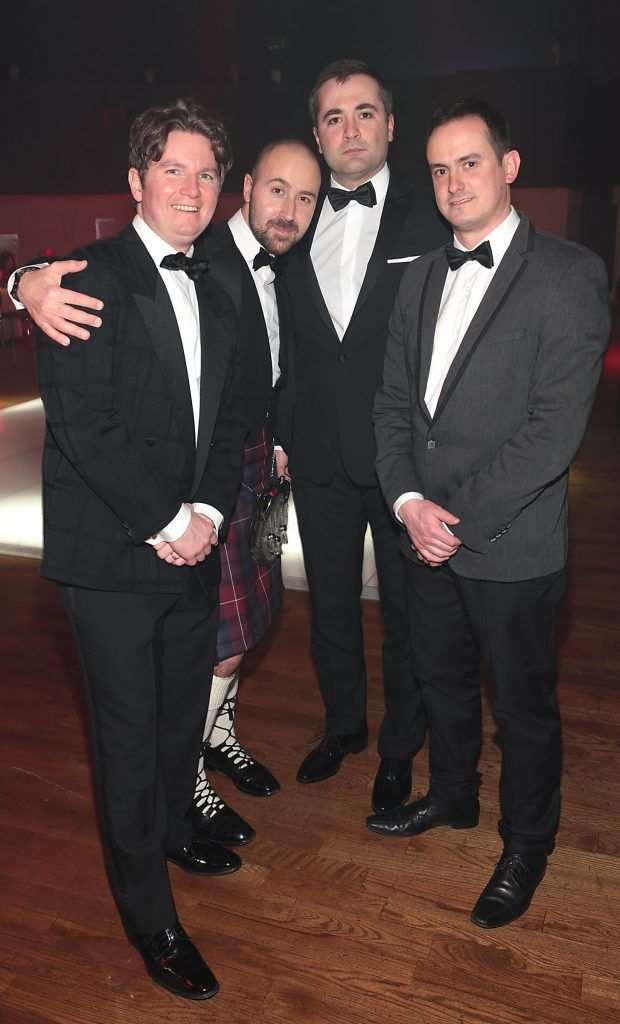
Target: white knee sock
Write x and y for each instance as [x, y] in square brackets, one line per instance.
[220, 685]
[224, 727]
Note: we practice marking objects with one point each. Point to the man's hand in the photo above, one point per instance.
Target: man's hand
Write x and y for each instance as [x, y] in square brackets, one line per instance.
[424, 522]
[53, 308]
[196, 543]
[282, 465]
[166, 553]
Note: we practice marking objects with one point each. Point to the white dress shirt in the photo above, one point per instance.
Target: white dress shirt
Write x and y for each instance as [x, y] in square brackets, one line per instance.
[463, 292]
[182, 292]
[263, 279]
[341, 248]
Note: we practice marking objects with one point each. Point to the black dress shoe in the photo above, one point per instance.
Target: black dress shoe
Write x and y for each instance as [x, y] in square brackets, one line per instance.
[422, 814]
[248, 775]
[392, 784]
[203, 857]
[326, 759]
[173, 962]
[510, 891]
[215, 820]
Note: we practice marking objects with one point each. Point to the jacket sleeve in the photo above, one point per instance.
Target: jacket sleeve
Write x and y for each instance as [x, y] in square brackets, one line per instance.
[77, 390]
[573, 337]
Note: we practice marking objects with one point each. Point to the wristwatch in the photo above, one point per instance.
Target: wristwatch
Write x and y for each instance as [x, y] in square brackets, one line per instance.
[18, 276]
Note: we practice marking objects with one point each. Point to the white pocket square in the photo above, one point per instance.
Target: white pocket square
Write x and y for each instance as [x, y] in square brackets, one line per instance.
[405, 259]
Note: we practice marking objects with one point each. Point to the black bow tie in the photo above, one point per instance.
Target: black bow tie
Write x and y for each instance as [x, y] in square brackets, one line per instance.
[263, 259]
[457, 257]
[179, 261]
[363, 194]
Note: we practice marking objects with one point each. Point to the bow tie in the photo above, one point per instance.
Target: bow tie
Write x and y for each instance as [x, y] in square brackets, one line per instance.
[363, 194]
[457, 257]
[179, 261]
[263, 259]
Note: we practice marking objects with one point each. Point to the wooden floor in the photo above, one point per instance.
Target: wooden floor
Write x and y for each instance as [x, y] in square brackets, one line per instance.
[325, 922]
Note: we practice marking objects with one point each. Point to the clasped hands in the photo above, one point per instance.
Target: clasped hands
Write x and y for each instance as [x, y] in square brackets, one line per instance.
[426, 523]
[192, 546]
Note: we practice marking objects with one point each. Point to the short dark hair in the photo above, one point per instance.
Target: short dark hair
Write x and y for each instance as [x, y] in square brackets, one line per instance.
[470, 106]
[271, 146]
[341, 70]
[149, 133]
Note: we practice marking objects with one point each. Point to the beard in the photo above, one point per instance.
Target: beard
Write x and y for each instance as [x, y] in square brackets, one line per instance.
[272, 243]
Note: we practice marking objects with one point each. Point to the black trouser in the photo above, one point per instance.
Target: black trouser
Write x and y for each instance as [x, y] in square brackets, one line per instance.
[453, 621]
[147, 662]
[332, 524]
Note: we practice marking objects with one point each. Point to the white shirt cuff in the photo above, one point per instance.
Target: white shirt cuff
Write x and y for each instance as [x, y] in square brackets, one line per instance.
[11, 282]
[214, 515]
[175, 529]
[407, 496]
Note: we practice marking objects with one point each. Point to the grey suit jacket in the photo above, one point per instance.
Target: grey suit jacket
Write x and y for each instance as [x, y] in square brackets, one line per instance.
[513, 408]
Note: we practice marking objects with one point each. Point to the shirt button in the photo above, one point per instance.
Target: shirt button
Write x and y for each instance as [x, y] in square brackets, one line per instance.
[430, 445]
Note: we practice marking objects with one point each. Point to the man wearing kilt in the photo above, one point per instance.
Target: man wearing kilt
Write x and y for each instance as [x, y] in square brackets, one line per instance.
[279, 200]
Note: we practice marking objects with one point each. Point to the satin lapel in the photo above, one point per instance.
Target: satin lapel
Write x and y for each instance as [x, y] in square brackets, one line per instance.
[226, 263]
[498, 291]
[389, 227]
[306, 269]
[155, 308]
[216, 336]
[284, 329]
[430, 299]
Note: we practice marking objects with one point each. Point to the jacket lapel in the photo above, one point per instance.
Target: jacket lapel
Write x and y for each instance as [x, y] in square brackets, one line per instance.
[389, 227]
[154, 305]
[430, 299]
[215, 336]
[510, 269]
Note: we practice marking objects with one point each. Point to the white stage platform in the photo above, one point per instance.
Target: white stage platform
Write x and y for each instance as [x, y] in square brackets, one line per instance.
[21, 440]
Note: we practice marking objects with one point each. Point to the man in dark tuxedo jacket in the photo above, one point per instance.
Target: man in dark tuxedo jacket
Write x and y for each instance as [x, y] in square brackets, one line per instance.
[141, 467]
[342, 280]
[280, 197]
[495, 351]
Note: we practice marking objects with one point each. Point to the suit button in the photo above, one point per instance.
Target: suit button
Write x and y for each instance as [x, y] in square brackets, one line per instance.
[343, 358]
[430, 445]
[150, 441]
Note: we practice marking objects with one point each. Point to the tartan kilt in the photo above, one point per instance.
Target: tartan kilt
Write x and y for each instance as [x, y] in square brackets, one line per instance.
[250, 594]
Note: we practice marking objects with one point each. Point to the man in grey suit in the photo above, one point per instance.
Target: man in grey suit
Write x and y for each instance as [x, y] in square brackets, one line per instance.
[494, 354]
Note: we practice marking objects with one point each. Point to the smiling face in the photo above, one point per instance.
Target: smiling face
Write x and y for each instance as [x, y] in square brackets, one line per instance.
[352, 131]
[472, 185]
[178, 194]
[280, 196]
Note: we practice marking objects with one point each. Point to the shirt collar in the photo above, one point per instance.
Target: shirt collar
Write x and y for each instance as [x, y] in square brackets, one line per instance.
[155, 245]
[243, 238]
[380, 183]
[500, 238]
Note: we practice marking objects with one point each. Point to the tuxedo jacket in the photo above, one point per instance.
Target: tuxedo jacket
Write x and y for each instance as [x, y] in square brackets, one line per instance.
[328, 401]
[512, 411]
[120, 451]
[229, 269]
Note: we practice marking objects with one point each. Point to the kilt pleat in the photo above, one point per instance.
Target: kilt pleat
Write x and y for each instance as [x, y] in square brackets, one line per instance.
[250, 594]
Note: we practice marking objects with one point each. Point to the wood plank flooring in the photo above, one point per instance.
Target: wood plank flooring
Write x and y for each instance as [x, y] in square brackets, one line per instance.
[325, 922]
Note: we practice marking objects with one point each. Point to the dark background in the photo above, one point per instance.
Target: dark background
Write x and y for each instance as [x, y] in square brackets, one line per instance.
[73, 75]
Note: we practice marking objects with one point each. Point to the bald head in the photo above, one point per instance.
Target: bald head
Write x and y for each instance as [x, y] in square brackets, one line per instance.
[280, 194]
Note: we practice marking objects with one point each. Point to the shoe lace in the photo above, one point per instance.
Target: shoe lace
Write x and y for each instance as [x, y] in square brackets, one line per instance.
[518, 870]
[236, 753]
[206, 799]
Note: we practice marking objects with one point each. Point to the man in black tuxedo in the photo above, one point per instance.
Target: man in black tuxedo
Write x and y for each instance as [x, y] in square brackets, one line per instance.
[280, 197]
[495, 350]
[342, 280]
[141, 468]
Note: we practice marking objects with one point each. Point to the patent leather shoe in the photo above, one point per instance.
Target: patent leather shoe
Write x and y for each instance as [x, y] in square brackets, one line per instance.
[423, 814]
[215, 820]
[392, 784]
[173, 962]
[248, 775]
[202, 857]
[510, 890]
[326, 759]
